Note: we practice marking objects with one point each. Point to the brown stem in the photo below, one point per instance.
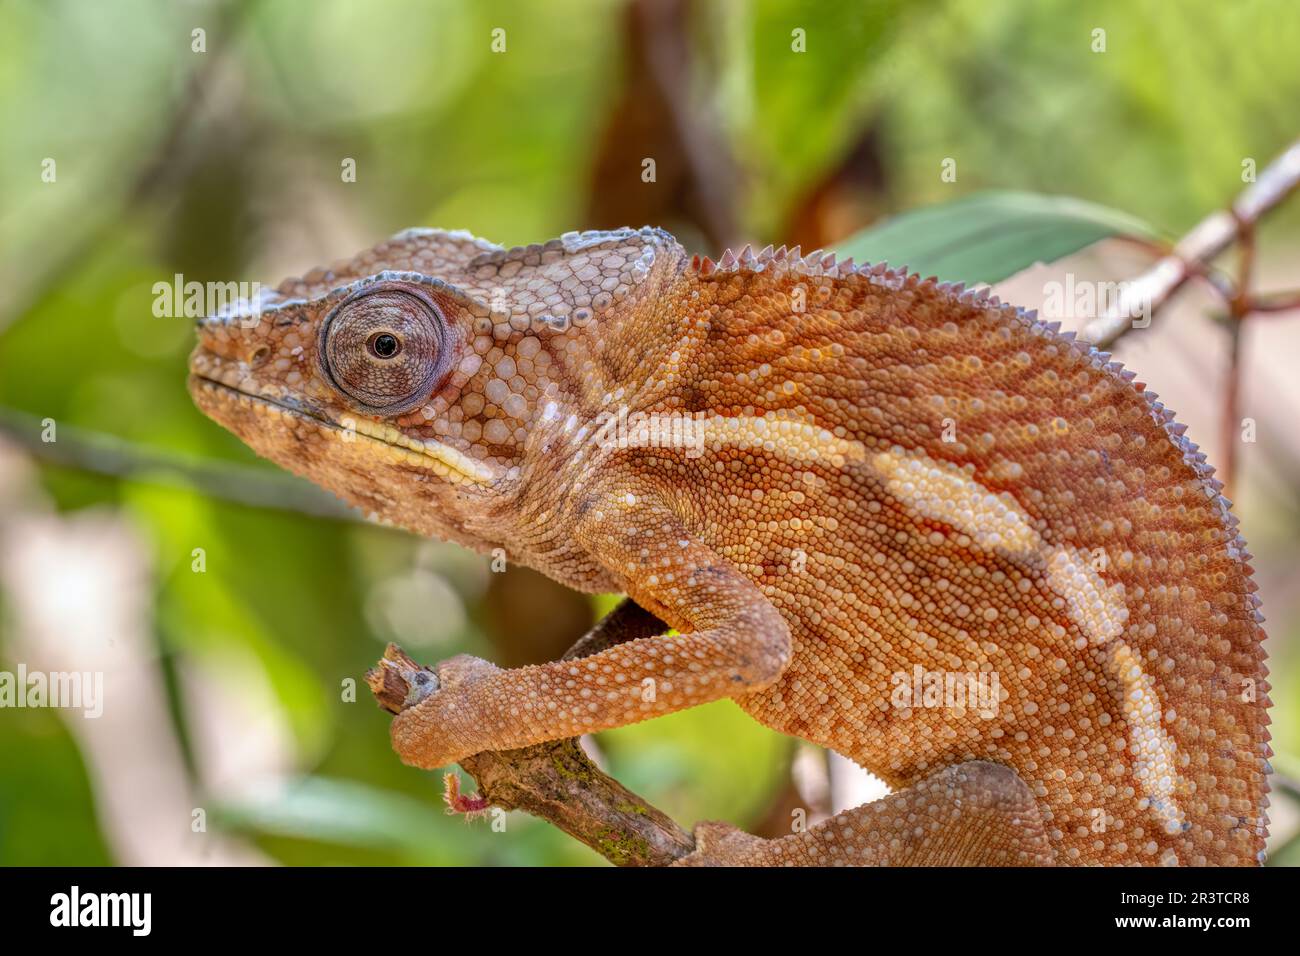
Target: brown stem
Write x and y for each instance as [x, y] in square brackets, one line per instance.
[1231, 408]
[1276, 302]
[556, 781]
[1238, 309]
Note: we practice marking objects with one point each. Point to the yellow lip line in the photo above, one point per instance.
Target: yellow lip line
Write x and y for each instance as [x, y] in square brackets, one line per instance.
[448, 457]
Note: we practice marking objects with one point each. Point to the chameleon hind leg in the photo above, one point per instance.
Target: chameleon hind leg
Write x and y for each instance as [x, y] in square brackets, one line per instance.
[971, 814]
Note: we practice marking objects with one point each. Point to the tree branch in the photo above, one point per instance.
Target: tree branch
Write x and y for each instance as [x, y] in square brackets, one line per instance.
[1193, 253]
[556, 781]
[115, 457]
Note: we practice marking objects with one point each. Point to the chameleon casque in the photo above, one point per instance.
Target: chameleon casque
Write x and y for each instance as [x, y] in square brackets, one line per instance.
[888, 473]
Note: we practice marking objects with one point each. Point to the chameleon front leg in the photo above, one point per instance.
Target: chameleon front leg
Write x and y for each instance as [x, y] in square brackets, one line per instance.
[732, 641]
[971, 814]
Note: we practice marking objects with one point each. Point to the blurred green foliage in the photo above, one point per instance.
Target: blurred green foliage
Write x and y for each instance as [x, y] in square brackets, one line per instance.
[445, 132]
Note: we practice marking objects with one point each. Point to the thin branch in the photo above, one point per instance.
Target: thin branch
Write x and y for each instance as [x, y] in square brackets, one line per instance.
[555, 781]
[1193, 253]
[1230, 425]
[1276, 302]
[1238, 308]
[112, 456]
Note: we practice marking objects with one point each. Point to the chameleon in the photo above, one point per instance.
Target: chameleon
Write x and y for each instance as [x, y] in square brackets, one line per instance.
[891, 516]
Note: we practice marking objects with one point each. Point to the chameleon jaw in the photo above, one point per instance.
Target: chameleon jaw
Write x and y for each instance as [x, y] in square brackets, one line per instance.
[212, 397]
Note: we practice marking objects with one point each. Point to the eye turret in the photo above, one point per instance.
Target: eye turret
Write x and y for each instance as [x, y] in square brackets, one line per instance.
[383, 348]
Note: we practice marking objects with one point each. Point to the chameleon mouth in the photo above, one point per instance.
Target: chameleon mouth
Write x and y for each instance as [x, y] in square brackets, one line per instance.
[212, 397]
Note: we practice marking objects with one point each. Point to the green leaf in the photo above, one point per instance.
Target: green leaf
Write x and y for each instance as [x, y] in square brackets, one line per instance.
[349, 814]
[990, 235]
[335, 810]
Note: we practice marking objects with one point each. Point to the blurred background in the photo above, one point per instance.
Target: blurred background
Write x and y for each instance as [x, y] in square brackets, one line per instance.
[234, 609]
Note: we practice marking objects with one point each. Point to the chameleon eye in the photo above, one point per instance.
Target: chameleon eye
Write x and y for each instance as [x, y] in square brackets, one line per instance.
[382, 349]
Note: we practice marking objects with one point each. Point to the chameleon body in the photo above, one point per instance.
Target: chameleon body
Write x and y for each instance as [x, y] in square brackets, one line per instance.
[890, 516]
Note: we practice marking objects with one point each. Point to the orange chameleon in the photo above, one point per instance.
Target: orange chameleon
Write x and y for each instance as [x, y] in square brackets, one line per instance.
[829, 476]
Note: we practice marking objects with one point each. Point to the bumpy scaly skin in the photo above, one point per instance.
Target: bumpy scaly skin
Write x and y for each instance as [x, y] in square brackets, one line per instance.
[894, 475]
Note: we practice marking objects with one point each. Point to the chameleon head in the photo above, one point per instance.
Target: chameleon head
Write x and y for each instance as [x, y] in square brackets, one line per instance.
[375, 391]
[438, 381]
